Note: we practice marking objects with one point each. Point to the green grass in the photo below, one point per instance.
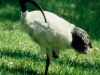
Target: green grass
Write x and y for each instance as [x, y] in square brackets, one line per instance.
[20, 56]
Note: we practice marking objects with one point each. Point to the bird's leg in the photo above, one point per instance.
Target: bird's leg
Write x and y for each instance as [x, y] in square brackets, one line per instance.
[54, 55]
[47, 65]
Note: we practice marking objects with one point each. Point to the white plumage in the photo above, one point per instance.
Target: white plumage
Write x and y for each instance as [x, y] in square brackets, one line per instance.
[57, 34]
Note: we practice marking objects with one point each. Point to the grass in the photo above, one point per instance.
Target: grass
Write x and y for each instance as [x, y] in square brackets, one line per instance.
[20, 56]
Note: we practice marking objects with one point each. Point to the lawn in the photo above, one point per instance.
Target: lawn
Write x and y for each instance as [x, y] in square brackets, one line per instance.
[20, 56]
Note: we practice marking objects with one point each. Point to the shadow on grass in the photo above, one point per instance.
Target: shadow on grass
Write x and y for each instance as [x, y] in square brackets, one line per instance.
[21, 71]
[19, 54]
[9, 11]
[85, 65]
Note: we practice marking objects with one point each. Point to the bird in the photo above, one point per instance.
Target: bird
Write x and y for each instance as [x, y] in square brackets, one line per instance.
[52, 33]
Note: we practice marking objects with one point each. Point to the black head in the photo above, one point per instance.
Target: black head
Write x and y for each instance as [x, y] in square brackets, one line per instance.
[81, 41]
[23, 7]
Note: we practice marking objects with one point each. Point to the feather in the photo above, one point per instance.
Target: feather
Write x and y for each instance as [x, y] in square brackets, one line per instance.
[52, 33]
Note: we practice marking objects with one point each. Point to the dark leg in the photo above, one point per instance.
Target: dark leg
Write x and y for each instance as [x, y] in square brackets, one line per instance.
[47, 65]
[54, 55]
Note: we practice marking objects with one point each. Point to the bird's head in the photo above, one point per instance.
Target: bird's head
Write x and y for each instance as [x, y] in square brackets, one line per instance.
[81, 41]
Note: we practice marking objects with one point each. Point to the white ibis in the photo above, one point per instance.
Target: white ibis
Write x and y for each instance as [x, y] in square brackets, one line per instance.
[51, 32]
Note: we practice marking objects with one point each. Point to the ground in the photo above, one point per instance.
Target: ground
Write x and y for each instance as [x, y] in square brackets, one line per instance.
[20, 56]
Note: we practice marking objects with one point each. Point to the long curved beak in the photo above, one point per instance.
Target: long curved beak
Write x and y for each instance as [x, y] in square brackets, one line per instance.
[39, 7]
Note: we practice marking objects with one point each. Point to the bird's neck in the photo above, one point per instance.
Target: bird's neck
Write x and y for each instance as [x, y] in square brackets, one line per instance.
[23, 8]
[22, 5]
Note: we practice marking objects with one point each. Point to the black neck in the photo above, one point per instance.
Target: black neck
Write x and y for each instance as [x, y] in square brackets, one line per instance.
[39, 7]
[23, 7]
[22, 4]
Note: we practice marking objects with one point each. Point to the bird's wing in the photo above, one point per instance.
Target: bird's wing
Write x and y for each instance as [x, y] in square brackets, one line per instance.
[49, 36]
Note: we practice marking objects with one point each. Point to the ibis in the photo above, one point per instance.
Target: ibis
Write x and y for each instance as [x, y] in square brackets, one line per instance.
[52, 33]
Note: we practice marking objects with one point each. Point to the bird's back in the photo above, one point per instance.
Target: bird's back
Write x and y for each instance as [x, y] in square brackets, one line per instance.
[52, 19]
[56, 34]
